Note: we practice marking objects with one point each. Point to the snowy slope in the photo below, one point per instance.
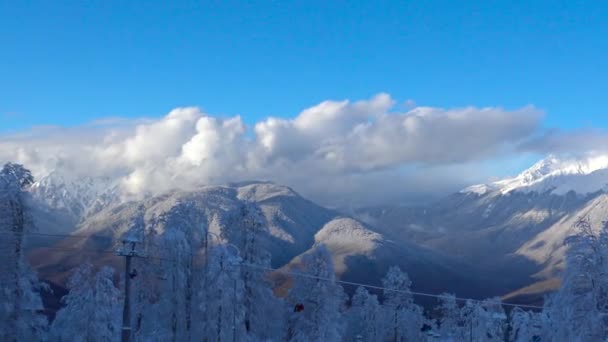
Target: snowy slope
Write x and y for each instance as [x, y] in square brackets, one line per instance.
[294, 226]
[513, 227]
[291, 220]
[548, 249]
[363, 255]
[492, 231]
[347, 238]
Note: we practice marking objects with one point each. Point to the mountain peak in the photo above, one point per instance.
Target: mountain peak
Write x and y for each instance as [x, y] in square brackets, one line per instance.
[552, 165]
[78, 195]
[259, 191]
[554, 174]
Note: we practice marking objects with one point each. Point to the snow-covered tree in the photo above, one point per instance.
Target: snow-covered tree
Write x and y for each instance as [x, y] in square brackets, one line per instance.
[108, 306]
[404, 318]
[170, 241]
[451, 325]
[578, 311]
[487, 319]
[146, 292]
[92, 310]
[20, 302]
[365, 317]
[175, 268]
[262, 319]
[16, 176]
[526, 326]
[317, 300]
[223, 298]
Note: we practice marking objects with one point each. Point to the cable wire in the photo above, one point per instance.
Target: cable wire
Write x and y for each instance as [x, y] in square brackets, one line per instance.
[298, 274]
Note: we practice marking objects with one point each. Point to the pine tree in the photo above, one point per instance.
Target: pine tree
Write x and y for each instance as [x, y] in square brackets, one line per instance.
[321, 300]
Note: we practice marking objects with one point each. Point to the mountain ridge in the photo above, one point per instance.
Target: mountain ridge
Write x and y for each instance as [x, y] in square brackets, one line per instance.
[293, 227]
[553, 174]
[515, 226]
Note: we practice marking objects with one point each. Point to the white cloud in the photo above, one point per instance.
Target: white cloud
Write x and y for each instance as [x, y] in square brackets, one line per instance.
[336, 151]
[579, 142]
[409, 103]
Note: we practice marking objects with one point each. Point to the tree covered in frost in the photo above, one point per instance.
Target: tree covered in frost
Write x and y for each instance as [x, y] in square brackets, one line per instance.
[486, 319]
[223, 298]
[20, 302]
[526, 326]
[148, 313]
[262, 320]
[173, 238]
[578, 310]
[321, 300]
[92, 310]
[451, 323]
[175, 268]
[365, 317]
[404, 318]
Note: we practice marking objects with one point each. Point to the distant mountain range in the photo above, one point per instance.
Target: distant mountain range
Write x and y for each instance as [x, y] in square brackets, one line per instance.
[502, 238]
[513, 228]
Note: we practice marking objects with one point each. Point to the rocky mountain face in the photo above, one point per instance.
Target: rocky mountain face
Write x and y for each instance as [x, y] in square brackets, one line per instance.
[61, 201]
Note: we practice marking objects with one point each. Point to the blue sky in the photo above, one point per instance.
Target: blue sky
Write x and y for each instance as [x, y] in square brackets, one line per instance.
[70, 62]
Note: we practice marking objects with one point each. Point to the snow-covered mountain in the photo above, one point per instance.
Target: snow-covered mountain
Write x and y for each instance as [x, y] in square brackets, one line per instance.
[61, 200]
[514, 227]
[291, 220]
[293, 226]
[363, 255]
[555, 175]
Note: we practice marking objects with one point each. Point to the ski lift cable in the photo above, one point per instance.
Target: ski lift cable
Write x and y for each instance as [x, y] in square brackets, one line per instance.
[83, 250]
[423, 294]
[416, 293]
[45, 235]
[56, 235]
[299, 274]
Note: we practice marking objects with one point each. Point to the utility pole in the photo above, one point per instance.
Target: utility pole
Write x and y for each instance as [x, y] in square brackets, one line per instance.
[128, 251]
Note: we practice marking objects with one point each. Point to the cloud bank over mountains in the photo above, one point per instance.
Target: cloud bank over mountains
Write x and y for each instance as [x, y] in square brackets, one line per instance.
[338, 152]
